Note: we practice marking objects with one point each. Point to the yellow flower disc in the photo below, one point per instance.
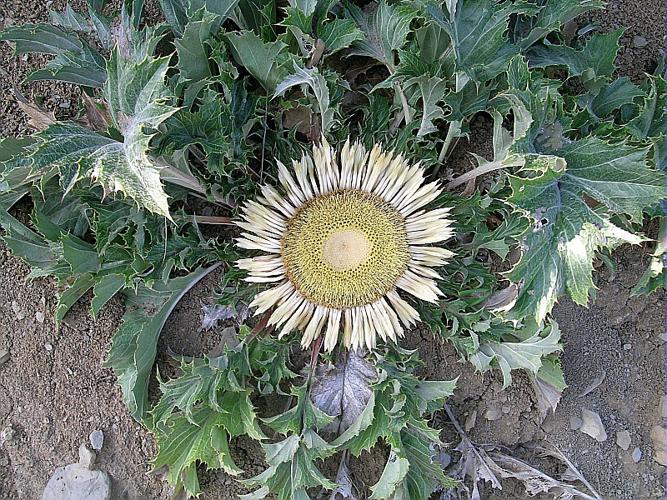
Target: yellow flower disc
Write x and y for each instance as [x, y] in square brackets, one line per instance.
[345, 249]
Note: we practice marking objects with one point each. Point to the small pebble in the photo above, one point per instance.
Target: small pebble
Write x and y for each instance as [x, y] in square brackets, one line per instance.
[7, 435]
[96, 440]
[592, 425]
[4, 356]
[636, 455]
[86, 457]
[575, 423]
[623, 440]
[48, 347]
[627, 347]
[492, 414]
[17, 310]
[639, 41]
[39, 316]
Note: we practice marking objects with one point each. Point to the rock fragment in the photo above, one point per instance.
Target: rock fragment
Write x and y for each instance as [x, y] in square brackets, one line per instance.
[636, 455]
[96, 439]
[7, 435]
[86, 457]
[18, 312]
[76, 482]
[659, 440]
[592, 425]
[623, 440]
[493, 413]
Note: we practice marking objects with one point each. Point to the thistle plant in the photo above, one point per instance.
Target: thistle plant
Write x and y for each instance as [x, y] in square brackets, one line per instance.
[342, 242]
[305, 151]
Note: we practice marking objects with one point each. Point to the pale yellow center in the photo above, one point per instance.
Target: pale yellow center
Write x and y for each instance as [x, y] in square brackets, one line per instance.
[346, 249]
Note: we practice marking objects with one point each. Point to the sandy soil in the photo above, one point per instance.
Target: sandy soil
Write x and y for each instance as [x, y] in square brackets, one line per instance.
[54, 392]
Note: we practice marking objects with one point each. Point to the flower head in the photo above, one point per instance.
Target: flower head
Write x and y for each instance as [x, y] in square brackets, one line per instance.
[340, 241]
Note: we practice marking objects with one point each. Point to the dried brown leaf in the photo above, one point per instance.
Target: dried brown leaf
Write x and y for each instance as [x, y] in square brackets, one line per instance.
[572, 473]
[502, 300]
[534, 480]
[97, 115]
[344, 389]
[39, 119]
[548, 396]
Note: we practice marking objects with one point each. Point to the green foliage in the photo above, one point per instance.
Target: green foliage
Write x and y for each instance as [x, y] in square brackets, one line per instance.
[134, 346]
[75, 61]
[186, 120]
[208, 404]
[395, 414]
[385, 31]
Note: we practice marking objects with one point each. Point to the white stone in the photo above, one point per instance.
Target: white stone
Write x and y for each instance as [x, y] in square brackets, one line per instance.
[623, 440]
[86, 457]
[75, 482]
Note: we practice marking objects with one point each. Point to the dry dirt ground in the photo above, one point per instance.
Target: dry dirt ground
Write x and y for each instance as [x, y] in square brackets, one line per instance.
[54, 392]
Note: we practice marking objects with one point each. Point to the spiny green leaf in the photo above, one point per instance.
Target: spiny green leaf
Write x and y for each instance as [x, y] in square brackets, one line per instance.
[102, 26]
[116, 165]
[306, 6]
[259, 16]
[41, 38]
[72, 294]
[135, 344]
[385, 29]
[571, 225]
[477, 29]
[553, 14]
[267, 62]
[612, 97]
[216, 382]
[44, 258]
[136, 95]
[552, 373]
[395, 412]
[70, 19]
[650, 122]
[305, 414]
[339, 34]
[313, 79]
[222, 9]
[432, 90]
[185, 442]
[292, 469]
[75, 61]
[468, 101]
[392, 475]
[193, 58]
[80, 255]
[425, 474]
[526, 354]
[105, 289]
[175, 13]
[594, 60]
